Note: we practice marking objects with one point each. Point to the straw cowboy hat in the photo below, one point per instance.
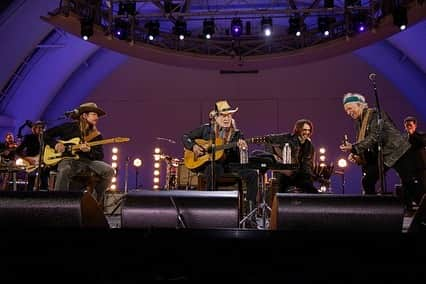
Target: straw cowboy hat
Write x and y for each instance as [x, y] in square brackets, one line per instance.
[224, 107]
[88, 107]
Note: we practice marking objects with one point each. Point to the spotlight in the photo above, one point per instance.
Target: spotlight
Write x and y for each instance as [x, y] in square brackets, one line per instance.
[208, 28]
[236, 27]
[153, 29]
[114, 150]
[86, 28]
[325, 25]
[296, 25]
[400, 17]
[121, 29]
[322, 150]
[128, 7]
[137, 162]
[266, 24]
[180, 29]
[359, 22]
[342, 163]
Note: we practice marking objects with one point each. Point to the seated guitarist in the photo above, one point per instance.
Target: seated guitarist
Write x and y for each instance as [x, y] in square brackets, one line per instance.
[29, 150]
[302, 154]
[85, 118]
[395, 147]
[222, 126]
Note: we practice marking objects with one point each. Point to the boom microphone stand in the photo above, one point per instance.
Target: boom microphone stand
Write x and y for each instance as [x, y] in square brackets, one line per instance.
[380, 160]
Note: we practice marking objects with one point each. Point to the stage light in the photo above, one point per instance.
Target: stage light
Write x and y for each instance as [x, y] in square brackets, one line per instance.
[208, 28]
[156, 165]
[236, 27]
[114, 179]
[342, 163]
[296, 26]
[121, 29]
[266, 24]
[322, 158]
[137, 162]
[114, 150]
[180, 29]
[127, 7]
[156, 180]
[400, 17]
[114, 165]
[359, 22]
[322, 150]
[86, 28]
[156, 173]
[113, 187]
[325, 25]
[114, 157]
[153, 28]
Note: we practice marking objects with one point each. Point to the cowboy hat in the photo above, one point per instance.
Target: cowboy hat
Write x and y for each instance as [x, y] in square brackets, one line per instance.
[224, 107]
[88, 107]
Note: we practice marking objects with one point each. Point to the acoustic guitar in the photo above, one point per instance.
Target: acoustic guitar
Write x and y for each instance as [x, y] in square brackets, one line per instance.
[191, 161]
[27, 165]
[51, 157]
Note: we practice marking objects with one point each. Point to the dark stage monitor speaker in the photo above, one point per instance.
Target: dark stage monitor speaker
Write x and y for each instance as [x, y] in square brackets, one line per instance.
[42, 209]
[180, 209]
[339, 213]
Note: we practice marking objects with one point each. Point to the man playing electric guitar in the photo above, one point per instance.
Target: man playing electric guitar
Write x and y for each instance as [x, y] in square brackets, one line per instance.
[222, 126]
[85, 117]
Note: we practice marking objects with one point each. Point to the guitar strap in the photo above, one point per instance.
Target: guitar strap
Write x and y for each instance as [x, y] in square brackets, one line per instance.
[91, 136]
[361, 134]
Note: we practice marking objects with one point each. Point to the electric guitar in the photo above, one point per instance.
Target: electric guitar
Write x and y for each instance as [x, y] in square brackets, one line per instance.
[358, 159]
[51, 157]
[191, 161]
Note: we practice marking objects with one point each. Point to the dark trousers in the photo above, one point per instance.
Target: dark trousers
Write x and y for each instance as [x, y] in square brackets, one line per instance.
[302, 182]
[405, 167]
[44, 179]
[250, 176]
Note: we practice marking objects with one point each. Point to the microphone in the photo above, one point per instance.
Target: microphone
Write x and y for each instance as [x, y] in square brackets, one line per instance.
[372, 76]
[71, 112]
[166, 139]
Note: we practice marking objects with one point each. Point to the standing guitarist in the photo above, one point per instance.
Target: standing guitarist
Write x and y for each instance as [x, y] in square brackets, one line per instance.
[85, 118]
[222, 126]
[29, 150]
[395, 147]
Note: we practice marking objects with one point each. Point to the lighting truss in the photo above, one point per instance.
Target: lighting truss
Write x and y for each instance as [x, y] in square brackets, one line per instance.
[194, 12]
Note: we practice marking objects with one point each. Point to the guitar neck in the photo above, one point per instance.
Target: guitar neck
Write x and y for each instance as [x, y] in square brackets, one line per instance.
[95, 143]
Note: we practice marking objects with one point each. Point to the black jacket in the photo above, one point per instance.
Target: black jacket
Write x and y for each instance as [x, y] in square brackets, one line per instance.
[70, 130]
[394, 143]
[232, 155]
[301, 154]
[418, 145]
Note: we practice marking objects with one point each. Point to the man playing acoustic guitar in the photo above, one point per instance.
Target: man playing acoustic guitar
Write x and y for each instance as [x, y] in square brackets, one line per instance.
[395, 147]
[83, 127]
[222, 128]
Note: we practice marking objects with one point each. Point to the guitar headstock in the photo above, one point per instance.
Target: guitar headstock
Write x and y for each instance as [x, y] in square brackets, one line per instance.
[121, 139]
[257, 140]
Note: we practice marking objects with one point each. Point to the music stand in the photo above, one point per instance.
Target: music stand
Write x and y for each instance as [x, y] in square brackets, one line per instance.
[262, 165]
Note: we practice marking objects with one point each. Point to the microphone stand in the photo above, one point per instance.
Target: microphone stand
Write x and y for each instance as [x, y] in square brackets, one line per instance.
[380, 160]
[213, 153]
[40, 158]
[180, 221]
